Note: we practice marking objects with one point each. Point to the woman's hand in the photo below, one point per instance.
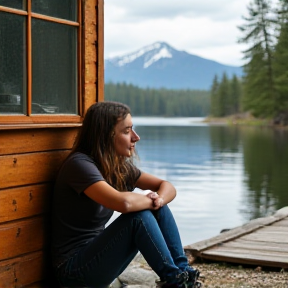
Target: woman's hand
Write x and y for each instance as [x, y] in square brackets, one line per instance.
[157, 200]
[166, 192]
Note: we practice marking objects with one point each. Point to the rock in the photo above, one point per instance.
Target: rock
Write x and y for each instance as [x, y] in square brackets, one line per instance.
[116, 284]
[258, 269]
[138, 274]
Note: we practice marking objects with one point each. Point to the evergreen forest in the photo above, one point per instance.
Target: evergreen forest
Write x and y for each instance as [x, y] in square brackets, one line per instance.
[160, 102]
[263, 91]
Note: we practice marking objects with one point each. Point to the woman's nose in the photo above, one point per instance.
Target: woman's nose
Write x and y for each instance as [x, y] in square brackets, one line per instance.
[135, 136]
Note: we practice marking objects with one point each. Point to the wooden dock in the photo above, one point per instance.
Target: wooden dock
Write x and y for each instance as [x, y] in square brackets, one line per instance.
[261, 242]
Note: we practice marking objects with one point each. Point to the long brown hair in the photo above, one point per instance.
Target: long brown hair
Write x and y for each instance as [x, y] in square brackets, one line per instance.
[96, 139]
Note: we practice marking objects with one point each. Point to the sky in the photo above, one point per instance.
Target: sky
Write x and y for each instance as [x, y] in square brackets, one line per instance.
[206, 28]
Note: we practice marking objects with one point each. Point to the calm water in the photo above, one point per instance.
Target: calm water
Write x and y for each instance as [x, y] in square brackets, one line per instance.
[225, 176]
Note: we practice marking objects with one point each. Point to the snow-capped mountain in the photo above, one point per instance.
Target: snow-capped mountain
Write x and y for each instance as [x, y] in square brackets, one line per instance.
[151, 54]
[159, 65]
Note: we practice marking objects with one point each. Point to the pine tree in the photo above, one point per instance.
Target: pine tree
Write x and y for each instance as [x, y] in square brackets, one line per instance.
[256, 96]
[281, 62]
[223, 96]
[235, 91]
[259, 88]
[214, 97]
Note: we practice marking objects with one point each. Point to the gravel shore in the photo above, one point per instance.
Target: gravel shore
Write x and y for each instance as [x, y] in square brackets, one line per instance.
[212, 275]
[221, 275]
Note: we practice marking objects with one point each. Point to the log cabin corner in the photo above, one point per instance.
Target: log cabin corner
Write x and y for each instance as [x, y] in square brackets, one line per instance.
[51, 71]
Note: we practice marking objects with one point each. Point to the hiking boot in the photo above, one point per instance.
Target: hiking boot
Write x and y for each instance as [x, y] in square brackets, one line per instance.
[187, 279]
[181, 280]
[193, 276]
[184, 285]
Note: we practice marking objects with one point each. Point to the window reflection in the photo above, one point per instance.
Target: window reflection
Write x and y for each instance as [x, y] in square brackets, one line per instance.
[54, 66]
[65, 9]
[54, 59]
[16, 4]
[12, 63]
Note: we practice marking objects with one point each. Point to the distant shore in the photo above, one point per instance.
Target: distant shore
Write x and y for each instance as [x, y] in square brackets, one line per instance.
[242, 119]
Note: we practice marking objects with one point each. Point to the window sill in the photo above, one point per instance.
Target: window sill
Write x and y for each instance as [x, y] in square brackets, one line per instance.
[8, 122]
[38, 125]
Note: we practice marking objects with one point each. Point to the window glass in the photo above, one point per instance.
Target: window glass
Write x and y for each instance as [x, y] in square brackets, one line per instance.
[16, 4]
[65, 9]
[54, 68]
[12, 64]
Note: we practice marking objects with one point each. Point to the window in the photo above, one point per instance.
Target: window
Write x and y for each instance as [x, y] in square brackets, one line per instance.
[39, 58]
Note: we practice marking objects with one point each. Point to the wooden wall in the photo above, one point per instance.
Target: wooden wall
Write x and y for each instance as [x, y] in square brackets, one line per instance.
[30, 156]
[29, 160]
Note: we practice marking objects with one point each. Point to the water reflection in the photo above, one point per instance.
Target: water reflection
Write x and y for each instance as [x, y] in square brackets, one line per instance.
[224, 175]
[265, 153]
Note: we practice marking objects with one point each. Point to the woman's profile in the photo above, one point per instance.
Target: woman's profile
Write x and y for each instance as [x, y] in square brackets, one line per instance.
[98, 178]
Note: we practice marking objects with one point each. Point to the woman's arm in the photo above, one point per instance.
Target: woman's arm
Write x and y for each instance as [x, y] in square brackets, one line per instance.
[164, 189]
[123, 202]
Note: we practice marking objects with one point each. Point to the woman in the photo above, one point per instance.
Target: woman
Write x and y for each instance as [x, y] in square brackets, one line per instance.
[96, 179]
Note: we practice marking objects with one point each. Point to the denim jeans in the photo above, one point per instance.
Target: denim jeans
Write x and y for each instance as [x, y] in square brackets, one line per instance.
[153, 233]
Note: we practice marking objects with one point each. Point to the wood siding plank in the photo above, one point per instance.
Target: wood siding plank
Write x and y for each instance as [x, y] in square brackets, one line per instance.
[7, 278]
[25, 201]
[22, 271]
[34, 140]
[21, 237]
[41, 285]
[36, 271]
[30, 168]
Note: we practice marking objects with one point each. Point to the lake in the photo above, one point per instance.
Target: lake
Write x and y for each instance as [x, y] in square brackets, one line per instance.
[224, 175]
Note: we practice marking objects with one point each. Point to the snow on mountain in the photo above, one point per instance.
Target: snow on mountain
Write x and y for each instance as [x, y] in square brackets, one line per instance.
[159, 65]
[162, 53]
[152, 54]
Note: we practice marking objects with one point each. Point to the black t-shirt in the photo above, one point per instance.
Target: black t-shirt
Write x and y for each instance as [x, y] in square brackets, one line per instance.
[76, 218]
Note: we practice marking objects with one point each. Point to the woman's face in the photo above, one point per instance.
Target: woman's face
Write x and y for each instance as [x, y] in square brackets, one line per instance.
[125, 137]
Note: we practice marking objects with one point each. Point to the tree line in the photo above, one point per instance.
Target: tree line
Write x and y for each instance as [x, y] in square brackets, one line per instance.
[264, 88]
[160, 102]
[262, 91]
[225, 96]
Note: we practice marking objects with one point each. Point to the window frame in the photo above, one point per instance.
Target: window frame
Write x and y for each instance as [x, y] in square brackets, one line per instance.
[30, 118]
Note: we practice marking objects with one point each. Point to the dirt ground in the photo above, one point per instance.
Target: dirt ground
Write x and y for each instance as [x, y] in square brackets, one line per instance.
[221, 275]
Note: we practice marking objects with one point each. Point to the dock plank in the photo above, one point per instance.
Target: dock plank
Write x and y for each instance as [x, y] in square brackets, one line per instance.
[282, 223]
[256, 245]
[262, 241]
[255, 259]
[247, 253]
[267, 237]
[273, 229]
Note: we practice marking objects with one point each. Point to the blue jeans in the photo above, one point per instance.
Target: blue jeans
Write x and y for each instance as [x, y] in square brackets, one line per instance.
[153, 233]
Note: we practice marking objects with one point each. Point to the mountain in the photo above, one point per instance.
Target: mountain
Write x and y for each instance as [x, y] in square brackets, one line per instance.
[159, 65]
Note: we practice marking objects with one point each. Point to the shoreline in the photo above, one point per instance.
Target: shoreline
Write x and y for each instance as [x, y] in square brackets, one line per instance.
[243, 120]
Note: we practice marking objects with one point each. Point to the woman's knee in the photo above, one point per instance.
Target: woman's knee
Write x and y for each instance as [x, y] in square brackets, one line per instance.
[144, 215]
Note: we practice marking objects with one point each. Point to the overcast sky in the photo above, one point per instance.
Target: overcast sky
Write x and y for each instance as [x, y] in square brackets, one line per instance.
[207, 28]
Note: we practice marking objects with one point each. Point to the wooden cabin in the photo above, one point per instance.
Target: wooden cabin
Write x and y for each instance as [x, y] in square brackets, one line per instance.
[51, 71]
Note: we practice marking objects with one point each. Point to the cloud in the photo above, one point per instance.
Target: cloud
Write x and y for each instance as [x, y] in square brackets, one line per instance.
[133, 11]
[206, 28]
